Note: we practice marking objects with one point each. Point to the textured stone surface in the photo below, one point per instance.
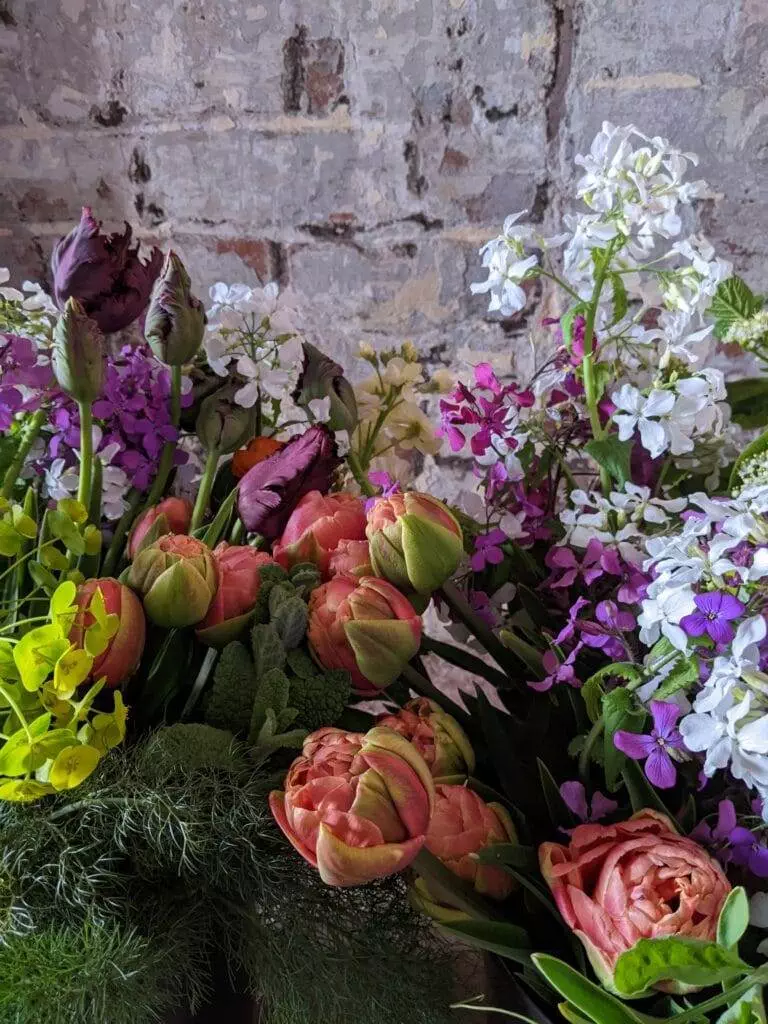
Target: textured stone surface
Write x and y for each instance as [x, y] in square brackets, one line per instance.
[360, 152]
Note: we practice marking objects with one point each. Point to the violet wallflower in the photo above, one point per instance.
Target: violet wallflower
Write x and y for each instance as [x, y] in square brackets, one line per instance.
[380, 478]
[488, 549]
[25, 372]
[558, 672]
[569, 629]
[575, 797]
[596, 561]
[655, 748]
[481, 604]
[604, 634]
[715, 611]
[732, 843]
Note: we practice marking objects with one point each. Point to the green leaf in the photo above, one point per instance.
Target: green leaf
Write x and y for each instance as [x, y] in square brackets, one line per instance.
[748, 400]
[571, 1014]
[560, 813]
[528, 654]
[620, 298]
[220, 522]
[619, 712]
[688, 814]
[757, 447]
[290, 620]
[592, 690]
[507, 940]
[509, 855]
[641, 792]
[684, 673]
[733, 919]
[612, 455]
[566, 322]
[584, 995]
[675, 959]
[301, 664]
[749, 1009]
[734, 300]
[268, 650]
[271, 700]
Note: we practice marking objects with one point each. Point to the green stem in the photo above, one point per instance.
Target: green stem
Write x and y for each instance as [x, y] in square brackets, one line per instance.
[587, 366]
[169, 448]
[462, 608]
[759, 977]
[204, 490]
[86, 454]
[559, 281]
[24, 622]
[202, 678]
[17, 711]
[463, 659]
[118, 538]
[593, 736]
[28, 438]
[446, 886]
[238, 530]
[24, 558]
[357, 472]
[425, 688]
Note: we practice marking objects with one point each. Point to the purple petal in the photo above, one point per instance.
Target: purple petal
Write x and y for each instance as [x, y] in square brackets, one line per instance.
[720, 631]
[709, 603]
[561, 558]
[665, 715]
[633, 745]
[726, 820]
[660, 769]
[602, 806]
[477, 561]
[575, 798]
[731, 607]
[695, 624]
[758, 861]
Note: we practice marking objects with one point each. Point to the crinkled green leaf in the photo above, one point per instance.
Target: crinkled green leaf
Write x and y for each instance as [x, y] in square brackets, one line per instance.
[267, 648]
[688, 961]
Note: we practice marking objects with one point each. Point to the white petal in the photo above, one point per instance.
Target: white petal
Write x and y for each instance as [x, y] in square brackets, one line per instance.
[653, 437]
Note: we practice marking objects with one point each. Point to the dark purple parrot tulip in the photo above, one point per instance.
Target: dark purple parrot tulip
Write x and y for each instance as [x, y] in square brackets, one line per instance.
[270, 490]
[104, 273]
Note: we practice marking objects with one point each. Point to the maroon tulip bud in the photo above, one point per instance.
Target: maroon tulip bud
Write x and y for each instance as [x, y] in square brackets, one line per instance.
[103, 273]
[270, 491]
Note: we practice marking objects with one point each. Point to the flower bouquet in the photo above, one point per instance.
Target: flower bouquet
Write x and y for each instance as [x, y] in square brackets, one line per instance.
[528, 719]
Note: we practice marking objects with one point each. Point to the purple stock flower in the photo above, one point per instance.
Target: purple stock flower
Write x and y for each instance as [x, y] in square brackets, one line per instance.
[269, 491]
[103, 273]
[488, 550]
[655, 748]
[575, 797]
[732, 843]
[714, 613]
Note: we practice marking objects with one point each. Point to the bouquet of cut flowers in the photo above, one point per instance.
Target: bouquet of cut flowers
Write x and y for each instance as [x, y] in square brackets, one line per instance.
[529, 718]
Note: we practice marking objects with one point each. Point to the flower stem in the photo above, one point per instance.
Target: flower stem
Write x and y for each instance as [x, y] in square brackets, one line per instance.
[118, 538]
[463, 659]
[29, 435]
[202, 678]
[204, 490]
[444, 885]
[587, 366]
[758, 977]
[169, 448]
[86, 453]
[593, 736]
[425, 688]
[464, 611]
[357, 472]
[17, 711]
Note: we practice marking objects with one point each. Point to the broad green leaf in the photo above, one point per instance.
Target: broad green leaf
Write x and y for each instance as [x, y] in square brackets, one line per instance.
[507, 940]
[620, 712]
[675, 959]
[733, 919]
[24, 790]
[612, 455]
[571, 1014]
[748, 400]
[36, 654]
[290, 620]
[560, 813]
[733, 300]
[528, 654]
[592, 690]
[509, 855]
[584, 995]
[641, 792]
[749, 1009]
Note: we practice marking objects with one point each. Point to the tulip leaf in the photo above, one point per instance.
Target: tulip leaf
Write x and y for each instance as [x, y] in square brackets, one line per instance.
[641, 792]
[585, 997]
[507, 940]
[620, 712]
[560, 813]
[220, 523]
[509, 855]
[733, 919]
[689, 961]
[749, 1009]
[268, 649]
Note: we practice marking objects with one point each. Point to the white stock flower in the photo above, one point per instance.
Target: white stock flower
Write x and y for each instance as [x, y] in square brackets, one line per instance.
[636, 412]
[660, 616]
[507, 265]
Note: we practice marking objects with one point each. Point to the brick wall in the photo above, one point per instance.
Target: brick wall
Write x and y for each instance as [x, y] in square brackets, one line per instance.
[359, 152]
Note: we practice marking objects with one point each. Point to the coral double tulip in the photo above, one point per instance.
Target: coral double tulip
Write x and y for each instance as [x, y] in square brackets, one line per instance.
[357, 807]
[171, 515]
[365, 626]
[415, 542]
[463, 824]
[437, 736]
[638, 879]
[121, 658]
[176, 577]
[351, 558]
[238, 569]
[317, 526]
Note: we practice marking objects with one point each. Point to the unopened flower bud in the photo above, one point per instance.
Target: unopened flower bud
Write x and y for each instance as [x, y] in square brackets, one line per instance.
[175, 321]
[322, 377]
[222, 424]
[78, 353]
[177, 579]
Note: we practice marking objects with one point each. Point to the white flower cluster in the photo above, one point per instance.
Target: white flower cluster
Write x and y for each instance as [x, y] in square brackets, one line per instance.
[621, 520]
[722, 547]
